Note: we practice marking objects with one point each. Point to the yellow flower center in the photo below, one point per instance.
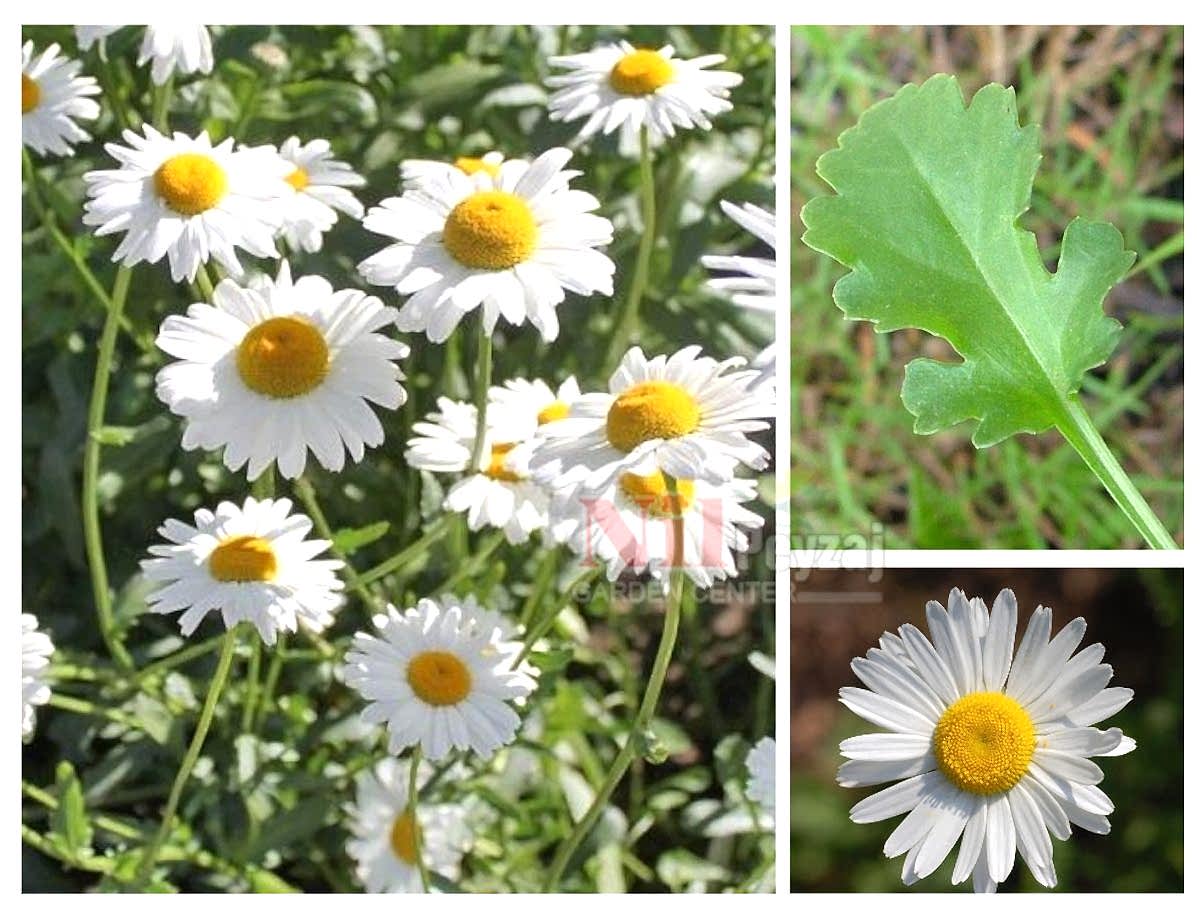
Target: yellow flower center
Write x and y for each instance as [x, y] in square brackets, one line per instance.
[472, 164]
[555, 411]
[242, 559]
[496, 468]
[405, 837]
[648, 411]
[298, 179]
[283, 357]
[439, 678]
[984, 742]
[650, 493]
[31, 94]
[190, 183]
[640, 73]
[491, 229]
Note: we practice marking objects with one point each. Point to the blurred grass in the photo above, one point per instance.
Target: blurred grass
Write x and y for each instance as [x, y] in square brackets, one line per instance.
[381, 95]
[1109, 101]
[1136, 615]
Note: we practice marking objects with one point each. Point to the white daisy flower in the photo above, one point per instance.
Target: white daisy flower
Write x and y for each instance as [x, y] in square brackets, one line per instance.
[36, 648]
[631, 524]
[988, 747]
[176, 49]
[531, 403]
[186, 199]
[386, 836]
[414, 172]
[251, 564]
[684, 415]
[53, 95]
[760, 764]
[755, 288]
[619, 86]
[436, 678]
[272, 371]
[511, 245]
[319, 184]
[500, 492]
[88, 35]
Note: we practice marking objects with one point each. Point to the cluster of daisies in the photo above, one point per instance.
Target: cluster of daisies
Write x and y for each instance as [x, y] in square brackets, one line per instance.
[991, 750]
[272, 370]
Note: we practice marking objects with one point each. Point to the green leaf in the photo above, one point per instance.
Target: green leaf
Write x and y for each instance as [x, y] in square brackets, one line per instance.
[351, 540]
[929, 192]
[70, 820]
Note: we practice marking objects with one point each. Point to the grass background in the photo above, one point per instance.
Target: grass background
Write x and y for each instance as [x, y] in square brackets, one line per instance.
[1136, 615]
[264, 810]
[1110, 103]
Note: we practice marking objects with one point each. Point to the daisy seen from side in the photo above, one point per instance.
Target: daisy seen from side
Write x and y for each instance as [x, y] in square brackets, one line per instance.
[53, 97]
[684, 415]
[319, 186]
[251, 563]
[436, 679]
[500, 492]
[619, 86]
[990, 750]
[36, 649]
[631, 525]
[273, 371]
[187, 199]
[171, 49]
[414, 172]
[751, 283]
[386, 834]
[511, 245]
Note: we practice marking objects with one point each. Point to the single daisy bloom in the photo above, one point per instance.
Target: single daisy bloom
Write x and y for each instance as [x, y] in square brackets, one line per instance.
[510, 244]
[685, 415]
[988, 747]
[386, 834]
[414, 172]
[760, 765]
[500, 492]
[53, 95]
[438, 679]
[319, 184]
[505, 638]
[631, 523]
[88, 35]
[274, 370]
[753, 283]
[176, 49]
[36, 648]
[251, 563]
[620, 86]
[184, 198]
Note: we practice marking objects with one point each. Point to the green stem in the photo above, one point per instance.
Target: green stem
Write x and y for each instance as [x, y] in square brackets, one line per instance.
[434, 532]
[483, 379]
[413, 793]
[626, 327]
[1077, 427]
[149, 857]
[542, 580]
[658, 675]
[91, 474]
[79, 706]
[538, 631]
[307, 496]
[204, 282]
[162, 103]
[251, 686]
[268, 690]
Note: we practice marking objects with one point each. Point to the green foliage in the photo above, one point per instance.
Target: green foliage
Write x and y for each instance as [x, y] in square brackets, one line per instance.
[1111, 150]
[264, 808]
[929, 194]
